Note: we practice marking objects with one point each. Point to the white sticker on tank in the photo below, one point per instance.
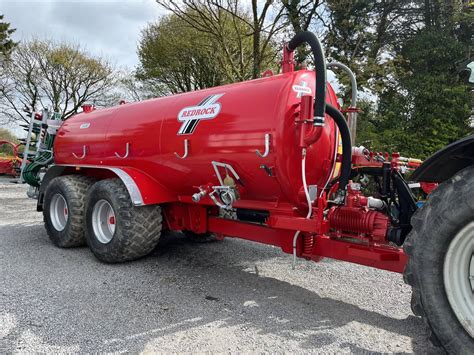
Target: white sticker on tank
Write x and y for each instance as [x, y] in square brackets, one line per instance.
[84, 125]
[207, 109]
[302, 89]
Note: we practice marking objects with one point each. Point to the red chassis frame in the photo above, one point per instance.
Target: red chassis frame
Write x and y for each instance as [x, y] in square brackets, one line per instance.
[315, 242]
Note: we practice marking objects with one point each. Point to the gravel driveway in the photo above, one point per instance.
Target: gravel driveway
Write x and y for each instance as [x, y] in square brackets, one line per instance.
[232, 295]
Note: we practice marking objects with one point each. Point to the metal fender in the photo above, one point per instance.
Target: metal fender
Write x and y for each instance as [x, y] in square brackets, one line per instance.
[143, 189]
[446, 162]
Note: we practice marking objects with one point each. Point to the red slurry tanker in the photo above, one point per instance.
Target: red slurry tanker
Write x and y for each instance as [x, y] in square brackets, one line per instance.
[269, 160]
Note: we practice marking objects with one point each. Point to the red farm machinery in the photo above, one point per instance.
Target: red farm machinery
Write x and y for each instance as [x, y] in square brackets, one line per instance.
[269, 160]
[9, 159]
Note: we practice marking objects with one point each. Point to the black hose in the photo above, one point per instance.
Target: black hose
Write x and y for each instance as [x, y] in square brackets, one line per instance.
[320, 106]
[346, 165]
[320, 69]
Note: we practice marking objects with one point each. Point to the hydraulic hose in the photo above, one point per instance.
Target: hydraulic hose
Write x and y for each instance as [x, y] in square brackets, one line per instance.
[319, 68]
[308, 200]
[31, 172]
[346, 165]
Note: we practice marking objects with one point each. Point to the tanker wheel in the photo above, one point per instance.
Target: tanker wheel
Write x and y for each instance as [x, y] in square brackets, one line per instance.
[63, 210]
[116, 230]
[440, 268]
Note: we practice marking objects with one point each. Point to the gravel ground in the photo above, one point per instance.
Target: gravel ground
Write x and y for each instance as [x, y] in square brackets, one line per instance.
[226, 296]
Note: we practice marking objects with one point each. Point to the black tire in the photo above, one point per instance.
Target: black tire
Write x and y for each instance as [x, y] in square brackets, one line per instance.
[137, 229]
[448, 209]
[73, 188]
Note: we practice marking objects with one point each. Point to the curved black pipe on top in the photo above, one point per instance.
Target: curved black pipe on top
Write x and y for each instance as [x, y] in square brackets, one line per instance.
[320, 69]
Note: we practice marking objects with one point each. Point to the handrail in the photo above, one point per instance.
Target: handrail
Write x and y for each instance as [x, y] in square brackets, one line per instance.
[351, 76]
[351, 115]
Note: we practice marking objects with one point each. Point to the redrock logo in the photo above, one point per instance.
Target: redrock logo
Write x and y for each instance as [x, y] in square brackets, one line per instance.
[207, 109]
[302, 89]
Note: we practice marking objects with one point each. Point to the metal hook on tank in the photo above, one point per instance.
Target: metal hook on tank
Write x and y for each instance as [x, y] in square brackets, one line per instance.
[127, 151]
[84, 152]
[186, 150]
[267, 147]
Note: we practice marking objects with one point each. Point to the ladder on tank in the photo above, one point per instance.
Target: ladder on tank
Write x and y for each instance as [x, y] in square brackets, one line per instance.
[38, 150]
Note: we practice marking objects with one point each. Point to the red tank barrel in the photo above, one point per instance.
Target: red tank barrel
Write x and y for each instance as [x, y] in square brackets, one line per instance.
[228, 124]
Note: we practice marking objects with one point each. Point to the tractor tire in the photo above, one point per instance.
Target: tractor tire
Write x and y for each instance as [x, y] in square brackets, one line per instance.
[63, 210]
[440, 267]
[116, 230]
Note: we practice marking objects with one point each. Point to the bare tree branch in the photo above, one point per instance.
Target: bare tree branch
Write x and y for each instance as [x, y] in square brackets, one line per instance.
[61, 77]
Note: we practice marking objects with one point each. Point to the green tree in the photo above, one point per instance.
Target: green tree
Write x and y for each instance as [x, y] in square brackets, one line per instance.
[6, 135]
[404, 53]
[365, 34]
[428, 107]
[242, 36]
[178, 58]
[6, 43]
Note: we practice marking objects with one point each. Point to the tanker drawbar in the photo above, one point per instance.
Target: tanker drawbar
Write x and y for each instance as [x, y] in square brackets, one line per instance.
[271, 160]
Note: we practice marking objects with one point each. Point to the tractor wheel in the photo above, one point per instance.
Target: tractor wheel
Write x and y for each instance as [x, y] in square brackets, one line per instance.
[63, 210]
[116, 230]
[440, 268]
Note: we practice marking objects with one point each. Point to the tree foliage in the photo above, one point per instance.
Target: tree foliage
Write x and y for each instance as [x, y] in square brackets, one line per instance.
[61, 77]
[211, 42]
[133, 90]
[204, 43]
[232, 27]
[426, 105]
[404, 53]
[6, 135]
[178, 58]
[6, 43]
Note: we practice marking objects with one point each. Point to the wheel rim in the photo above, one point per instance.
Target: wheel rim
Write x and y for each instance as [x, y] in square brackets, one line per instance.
[459, 277]
[59, 212]
[103, 221]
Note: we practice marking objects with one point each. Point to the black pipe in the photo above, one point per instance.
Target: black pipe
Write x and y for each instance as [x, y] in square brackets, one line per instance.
[319, 68]
[346, 164]
[320, 106]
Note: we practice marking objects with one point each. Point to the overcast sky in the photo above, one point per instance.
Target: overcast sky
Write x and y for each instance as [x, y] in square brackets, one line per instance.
[108, 28]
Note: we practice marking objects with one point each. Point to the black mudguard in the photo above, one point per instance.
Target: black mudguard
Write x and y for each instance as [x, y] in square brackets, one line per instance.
[446, 162]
